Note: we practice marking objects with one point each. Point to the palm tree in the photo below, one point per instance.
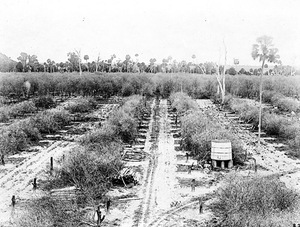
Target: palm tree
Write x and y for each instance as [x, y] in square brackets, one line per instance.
[263, 50]
[194, 57]
[86, 58]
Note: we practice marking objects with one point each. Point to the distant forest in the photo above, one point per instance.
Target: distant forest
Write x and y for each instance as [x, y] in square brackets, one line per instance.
[30, 63]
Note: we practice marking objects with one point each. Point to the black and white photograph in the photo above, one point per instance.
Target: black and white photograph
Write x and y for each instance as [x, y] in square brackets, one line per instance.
[150, 113]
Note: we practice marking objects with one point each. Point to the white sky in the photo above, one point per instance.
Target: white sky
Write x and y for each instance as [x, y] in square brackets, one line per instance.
[153, 28]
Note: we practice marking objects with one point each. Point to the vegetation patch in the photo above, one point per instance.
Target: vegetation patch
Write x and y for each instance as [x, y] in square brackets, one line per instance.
[254, 201]
[198, 130]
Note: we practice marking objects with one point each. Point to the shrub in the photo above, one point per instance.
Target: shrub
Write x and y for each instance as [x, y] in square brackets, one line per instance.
[199, 130]
[243, 202]
[268, 96]
[99, 137]
[46, 212]
[44, 102]
[247, 110]
[182, 102]
[91, 170]
[287, 104]
[274, 124]
[50, 120]
[81, 105]
[22, 108]
[4, 114]
[123, 125]
[12, 139]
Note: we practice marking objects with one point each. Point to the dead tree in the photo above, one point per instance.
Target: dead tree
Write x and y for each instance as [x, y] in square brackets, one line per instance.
[221, 76]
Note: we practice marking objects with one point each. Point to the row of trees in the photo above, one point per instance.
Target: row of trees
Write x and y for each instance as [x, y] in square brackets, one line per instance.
[30, 63]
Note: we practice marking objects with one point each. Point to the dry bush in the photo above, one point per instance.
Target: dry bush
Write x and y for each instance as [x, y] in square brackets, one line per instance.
[50, 121]
[124, 125]
[46, 212]
[288, 104]
[44, 102]
[252, 201]
[91, 170]
[12, 139]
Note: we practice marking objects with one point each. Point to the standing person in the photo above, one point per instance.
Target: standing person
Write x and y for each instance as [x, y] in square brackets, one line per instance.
[187, 156]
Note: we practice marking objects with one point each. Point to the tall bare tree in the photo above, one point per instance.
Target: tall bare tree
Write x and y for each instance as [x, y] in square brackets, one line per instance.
[264, 51]
[221, 75]
[98, 62]
[78, 53]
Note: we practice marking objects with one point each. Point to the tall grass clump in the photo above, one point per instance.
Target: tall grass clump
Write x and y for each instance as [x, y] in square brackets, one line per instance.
[254, 201]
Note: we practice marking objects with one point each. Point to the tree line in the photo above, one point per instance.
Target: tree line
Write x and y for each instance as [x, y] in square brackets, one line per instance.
[74, 63]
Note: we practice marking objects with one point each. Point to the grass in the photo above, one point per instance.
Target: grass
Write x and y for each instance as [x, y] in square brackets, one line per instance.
[255, 201]
[46, 212]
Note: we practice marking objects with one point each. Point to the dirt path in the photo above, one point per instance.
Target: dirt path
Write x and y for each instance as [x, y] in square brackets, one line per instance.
[160, 178]
[163, 187]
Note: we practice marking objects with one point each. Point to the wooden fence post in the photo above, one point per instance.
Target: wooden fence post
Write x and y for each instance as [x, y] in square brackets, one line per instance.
[2, 159]
[51, 164]
[13, 200]
[34, 184]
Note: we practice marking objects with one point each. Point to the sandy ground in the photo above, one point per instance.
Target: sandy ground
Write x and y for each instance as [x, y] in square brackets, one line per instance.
[16, 177]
